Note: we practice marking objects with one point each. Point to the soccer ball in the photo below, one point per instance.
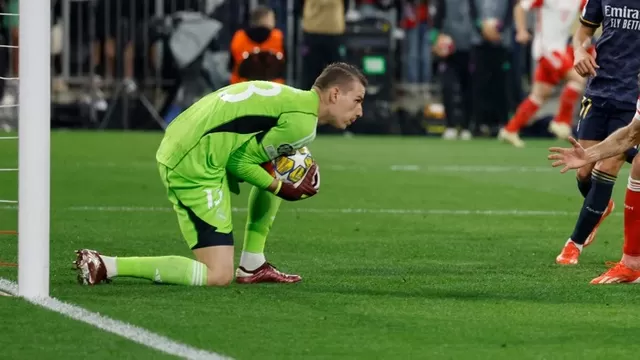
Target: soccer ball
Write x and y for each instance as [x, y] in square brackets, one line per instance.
[293, 167]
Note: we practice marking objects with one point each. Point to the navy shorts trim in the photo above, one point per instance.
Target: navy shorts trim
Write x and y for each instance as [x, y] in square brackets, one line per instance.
[598, 122]
[208, 235]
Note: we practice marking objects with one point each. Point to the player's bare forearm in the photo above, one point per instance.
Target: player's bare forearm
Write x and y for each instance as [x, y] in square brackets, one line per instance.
[617, 143]
[520, 18]
[582, 37]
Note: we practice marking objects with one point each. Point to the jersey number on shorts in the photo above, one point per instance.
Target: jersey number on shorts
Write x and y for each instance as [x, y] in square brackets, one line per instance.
[210, 202]
[252, 89]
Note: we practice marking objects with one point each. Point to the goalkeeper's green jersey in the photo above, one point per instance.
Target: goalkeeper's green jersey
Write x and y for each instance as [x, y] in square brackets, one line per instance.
[239, 127]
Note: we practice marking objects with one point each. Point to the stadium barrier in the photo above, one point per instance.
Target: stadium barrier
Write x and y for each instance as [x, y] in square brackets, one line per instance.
[113, 57]
[110, 68]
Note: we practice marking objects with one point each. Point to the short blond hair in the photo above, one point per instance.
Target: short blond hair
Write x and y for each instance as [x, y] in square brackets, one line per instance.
[340, 74]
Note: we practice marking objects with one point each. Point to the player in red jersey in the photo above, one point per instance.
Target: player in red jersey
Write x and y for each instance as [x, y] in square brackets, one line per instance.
[554, 64]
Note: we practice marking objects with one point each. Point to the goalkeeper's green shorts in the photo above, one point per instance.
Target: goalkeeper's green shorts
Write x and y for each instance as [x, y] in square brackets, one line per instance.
[202, 203]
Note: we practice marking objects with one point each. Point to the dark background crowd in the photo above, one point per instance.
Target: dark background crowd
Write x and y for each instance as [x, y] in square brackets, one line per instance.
[135, 64]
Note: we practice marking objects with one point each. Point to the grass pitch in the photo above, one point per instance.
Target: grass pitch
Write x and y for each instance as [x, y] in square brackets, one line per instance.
[414, 248]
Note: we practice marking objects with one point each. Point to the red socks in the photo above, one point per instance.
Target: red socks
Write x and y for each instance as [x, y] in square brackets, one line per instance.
[568, 100]
[632, 219]
[523, 114]
[528, 108]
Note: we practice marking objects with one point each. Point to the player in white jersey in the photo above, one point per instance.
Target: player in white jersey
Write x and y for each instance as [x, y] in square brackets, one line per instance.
[554, 58]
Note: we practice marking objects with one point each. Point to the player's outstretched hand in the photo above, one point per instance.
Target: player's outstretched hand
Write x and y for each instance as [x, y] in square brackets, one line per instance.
[570, 158]
[585, 63]
[305, 189]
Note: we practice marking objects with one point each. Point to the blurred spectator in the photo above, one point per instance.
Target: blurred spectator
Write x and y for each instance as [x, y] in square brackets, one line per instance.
[471, 40]
[280, 10]
[123, 24]
[117, 23]
[451, 35]
[414, 20]
[377, 8]
[257, 52]
[108, 17]
[491, 61]
[323, 25]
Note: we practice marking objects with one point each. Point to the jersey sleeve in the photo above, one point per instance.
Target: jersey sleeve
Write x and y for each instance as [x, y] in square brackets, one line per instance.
[592, 15]
[244, 163]
[531, 4]
[294, 130]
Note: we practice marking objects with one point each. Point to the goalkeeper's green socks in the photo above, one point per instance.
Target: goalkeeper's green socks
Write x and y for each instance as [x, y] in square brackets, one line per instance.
[179, 270]
[263, 207]
[176, 270]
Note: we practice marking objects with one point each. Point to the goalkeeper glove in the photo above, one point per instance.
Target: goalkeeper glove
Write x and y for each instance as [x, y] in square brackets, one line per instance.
[307, 187]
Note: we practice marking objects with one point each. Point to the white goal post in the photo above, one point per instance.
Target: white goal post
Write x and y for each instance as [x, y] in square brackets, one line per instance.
[34, 130]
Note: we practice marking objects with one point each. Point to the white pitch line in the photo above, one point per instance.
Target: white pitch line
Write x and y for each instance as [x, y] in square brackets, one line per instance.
[355, 168]
[127, 331]
[508, 212]
[458, 212]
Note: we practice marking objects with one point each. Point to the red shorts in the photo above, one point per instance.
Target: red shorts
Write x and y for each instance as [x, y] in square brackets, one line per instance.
[553, 68]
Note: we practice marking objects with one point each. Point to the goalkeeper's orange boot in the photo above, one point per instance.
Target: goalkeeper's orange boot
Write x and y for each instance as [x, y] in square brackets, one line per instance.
[265, 273]
[91, 268]
[617, 274]
[606, 213]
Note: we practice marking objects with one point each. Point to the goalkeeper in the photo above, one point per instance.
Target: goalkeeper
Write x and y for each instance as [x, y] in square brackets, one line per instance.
[223, 138]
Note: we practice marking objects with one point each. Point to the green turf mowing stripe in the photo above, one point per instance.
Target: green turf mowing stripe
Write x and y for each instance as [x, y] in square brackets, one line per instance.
[128, 331]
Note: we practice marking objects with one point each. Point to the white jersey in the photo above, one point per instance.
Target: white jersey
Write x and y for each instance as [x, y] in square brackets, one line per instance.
[554, 19]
